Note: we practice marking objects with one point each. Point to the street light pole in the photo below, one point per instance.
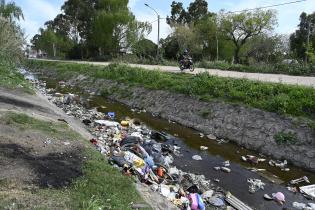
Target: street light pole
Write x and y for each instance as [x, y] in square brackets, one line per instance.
[158, 41]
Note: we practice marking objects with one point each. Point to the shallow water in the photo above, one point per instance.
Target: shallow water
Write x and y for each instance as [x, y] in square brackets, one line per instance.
[190, 142]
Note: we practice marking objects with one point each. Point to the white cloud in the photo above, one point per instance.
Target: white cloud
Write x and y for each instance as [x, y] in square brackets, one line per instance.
[132, 3]
[36, 13]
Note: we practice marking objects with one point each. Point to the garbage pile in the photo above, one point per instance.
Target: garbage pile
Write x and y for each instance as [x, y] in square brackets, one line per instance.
[141, 152]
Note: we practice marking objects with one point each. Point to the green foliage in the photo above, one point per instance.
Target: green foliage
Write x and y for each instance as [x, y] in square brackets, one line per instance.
[102, 186]
[280, 98]
[26, 122]
[239, 27]
[197, 10]
[298, 40]
[290, 69]
[285, 138]
[10, 78]
[10, 11]
[145, 49]
[91, 29]
[11, 42]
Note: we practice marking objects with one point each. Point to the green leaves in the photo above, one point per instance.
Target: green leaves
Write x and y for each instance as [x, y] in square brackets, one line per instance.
[239, 27]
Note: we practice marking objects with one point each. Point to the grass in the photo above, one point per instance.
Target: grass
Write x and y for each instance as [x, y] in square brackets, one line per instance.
[10, 78]
[100, 187]
[285, 138]
[279, 98]
[278, 68]
[26, 122]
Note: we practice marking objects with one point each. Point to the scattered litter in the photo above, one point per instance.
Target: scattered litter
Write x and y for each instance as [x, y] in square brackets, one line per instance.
[203, 148]
[215, 201]
[299, 180]
[225, 169]
[66, 143]
[300, 206]
[279, 197]
[252, 159]
[124, 123]
[236, 203]
[255, 185]
[197, 157]
[268, 197]
[309, 190]
[226, 163]
[111, 115]
[201, 135]
[107, 123]
[211, 137]
[207, 194]
[280, 164]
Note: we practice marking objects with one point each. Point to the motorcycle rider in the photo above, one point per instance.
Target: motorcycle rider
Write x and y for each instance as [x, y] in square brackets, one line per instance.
[184, 57]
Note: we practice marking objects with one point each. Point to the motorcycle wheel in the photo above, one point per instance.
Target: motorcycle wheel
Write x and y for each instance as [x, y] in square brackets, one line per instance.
[192, 68]
[181, 68]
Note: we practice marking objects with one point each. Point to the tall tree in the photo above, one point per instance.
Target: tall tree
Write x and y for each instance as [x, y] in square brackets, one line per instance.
[239, 27]
[10, 11]
[178, 14]
[299, 39]
[11, 41]
[195, 12]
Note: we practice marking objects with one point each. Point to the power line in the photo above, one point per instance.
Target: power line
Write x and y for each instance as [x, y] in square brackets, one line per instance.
[270, 6]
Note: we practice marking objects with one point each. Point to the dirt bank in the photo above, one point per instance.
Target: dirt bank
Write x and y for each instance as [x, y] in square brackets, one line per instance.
[41, 158]
[252, 128]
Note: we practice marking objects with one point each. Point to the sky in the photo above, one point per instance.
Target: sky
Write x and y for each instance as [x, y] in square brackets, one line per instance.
[37, 12]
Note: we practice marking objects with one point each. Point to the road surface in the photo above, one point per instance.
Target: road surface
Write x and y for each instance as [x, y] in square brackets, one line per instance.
[273, 78]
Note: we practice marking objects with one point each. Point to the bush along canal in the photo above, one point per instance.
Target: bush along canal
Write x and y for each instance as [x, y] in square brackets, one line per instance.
[244, 173]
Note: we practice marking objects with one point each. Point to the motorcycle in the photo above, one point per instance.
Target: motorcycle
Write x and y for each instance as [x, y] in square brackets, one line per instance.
[186, 63]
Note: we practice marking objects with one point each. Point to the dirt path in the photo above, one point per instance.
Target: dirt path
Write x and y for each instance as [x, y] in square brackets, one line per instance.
[39, 107]
[273, 78]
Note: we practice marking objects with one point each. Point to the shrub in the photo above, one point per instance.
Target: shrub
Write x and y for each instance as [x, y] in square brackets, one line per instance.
[285, 138]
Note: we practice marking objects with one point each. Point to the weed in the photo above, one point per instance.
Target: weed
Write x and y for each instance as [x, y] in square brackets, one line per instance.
[205, 114]
[285, 138]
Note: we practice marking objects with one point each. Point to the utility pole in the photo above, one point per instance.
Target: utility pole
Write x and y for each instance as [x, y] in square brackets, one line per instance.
[54, 49]
[308, 40]
[158, 41]
[216, 37]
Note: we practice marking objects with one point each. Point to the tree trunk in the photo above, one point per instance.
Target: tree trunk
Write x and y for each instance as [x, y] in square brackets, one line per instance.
[236, 55]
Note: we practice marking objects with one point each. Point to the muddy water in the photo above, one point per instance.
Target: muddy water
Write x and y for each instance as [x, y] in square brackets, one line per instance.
[190, 142]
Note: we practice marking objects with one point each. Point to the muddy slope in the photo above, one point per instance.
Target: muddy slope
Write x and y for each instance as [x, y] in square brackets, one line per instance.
[249, 127]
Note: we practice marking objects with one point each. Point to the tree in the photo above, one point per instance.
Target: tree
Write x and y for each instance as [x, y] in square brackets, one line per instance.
[267, 49]
[10, 11]
[110, 25]
[299, 39]
[187, 38]
[242, 26]
[178, 14]
[171, 47]
[195, 12]
[145, 48]
[207, 31]
[11, 41]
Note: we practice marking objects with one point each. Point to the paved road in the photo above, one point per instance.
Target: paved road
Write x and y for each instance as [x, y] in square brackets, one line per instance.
[274, 78]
